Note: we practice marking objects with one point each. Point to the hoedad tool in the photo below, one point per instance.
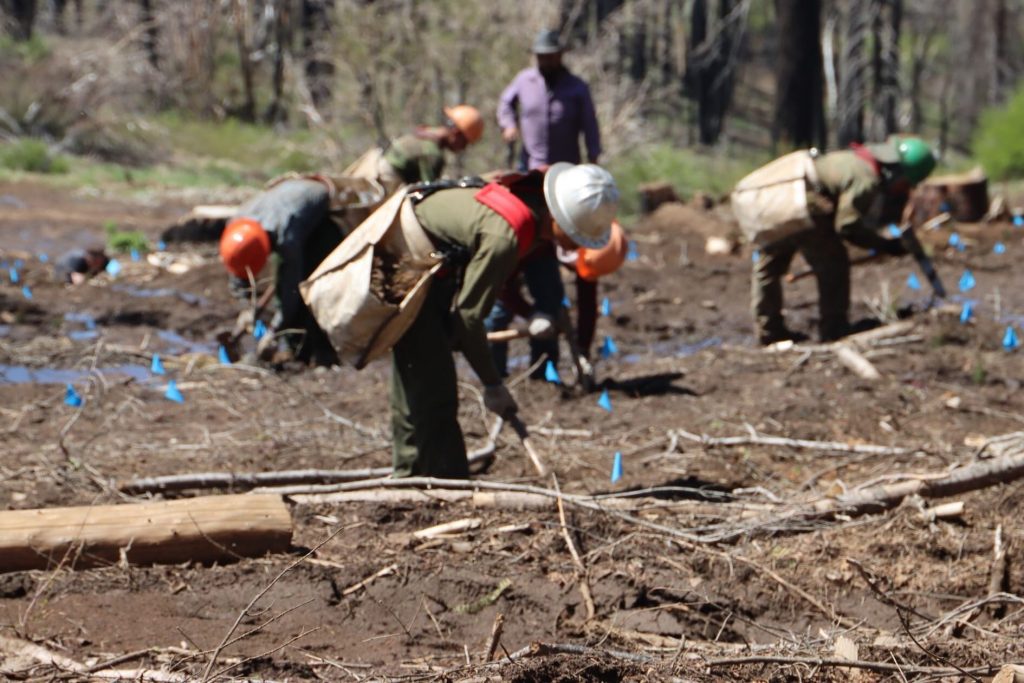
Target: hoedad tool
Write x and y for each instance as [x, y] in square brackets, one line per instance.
[524, 437]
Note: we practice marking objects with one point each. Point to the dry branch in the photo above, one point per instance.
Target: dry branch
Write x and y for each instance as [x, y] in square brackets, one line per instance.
[761, 440]
[208, 529]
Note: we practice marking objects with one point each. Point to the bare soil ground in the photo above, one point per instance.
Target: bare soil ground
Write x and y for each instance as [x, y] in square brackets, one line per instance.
[669, 603]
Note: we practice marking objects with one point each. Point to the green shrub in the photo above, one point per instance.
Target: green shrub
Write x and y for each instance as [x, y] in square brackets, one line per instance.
[998, 142]
[31, 155]
[686, 170]
[124, 241]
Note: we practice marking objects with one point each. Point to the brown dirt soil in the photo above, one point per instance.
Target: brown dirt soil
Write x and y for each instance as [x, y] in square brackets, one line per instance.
[665, 607]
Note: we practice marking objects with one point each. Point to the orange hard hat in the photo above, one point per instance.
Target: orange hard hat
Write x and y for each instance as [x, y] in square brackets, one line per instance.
[592, 264]
[244, 247]
[468, 120]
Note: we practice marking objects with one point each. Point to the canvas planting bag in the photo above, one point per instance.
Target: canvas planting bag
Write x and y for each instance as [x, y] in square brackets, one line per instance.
[771, 203]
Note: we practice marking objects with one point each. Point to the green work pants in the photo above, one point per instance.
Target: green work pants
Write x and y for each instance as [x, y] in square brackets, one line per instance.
[427, 440]
[826, 254]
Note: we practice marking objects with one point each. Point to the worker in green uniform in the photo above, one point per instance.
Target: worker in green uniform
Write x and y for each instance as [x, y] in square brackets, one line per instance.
[853, 191]
[488, 230]
[419, 156]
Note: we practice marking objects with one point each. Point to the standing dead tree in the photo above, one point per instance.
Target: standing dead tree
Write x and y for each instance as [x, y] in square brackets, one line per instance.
[799, 113]
[853, 71]
[712, 64]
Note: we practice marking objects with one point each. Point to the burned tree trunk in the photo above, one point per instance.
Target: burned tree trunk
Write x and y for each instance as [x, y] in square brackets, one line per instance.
[710, 68]
[240, 17]
[317, 18]
[149, 34]
[799, 111]
[887, 19]
[853, 68]
[23, 16]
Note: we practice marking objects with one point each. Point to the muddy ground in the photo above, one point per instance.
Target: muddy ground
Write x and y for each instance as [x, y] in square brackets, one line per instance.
[669, 602]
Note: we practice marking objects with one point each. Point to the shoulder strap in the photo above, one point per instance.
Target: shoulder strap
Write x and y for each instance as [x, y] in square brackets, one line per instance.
[864, 153]
[500, 199]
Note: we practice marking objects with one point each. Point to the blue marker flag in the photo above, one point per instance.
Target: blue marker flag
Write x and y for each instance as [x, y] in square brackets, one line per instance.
[565, 302]
[71, 397]
[1010, 340]
[954, 239]
[967, 281]
[222, 356]
[161, 245]
[259, 330]
[999, 248]
[43, 258]
[173, 393]
[13, 272]
[894, 230]
[19, 263]
[967, 312]
[605, 401]
[945, 207]
[608, 348]
[135, 255]
[26, 292]
[631, 252]
[913, 282]
[1018, 221]
[113, 267]
[157, 366]
[551, 373]
[755, 256]
[606, 307]
[617, 467]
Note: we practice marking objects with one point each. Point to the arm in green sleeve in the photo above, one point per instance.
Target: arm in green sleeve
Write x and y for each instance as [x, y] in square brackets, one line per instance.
[493, 262]
[851, 226]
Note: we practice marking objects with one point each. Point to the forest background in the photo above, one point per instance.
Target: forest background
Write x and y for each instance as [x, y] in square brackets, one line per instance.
[220, 93]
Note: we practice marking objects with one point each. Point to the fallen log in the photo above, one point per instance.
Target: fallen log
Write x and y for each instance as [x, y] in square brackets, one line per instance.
[856, 362]
[207, 529]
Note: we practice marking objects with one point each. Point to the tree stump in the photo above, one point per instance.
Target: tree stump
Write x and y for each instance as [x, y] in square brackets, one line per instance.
[964, 196]
[653, 195]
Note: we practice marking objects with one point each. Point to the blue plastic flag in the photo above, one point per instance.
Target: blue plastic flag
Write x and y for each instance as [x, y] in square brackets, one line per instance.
[113, 267]
[551, 373]
[967, 281]
[26, 292]
[259, 330]
[135, 255]
[913, 282]
[954, 239]
[608, 348]
[173, 393]
[71, 397]
[945, 207]
[617, 467]
[222, 356]
[157, 366]
[43, 258]
[1018, 221]
[755, 256]
[967, 312]
[1010, 340]
[894, 230]
[631, 252]
[19, 263]
[999, 248]
[161, 245]
[13, 272]
[565, 302]
[606, 307]
[605, 401]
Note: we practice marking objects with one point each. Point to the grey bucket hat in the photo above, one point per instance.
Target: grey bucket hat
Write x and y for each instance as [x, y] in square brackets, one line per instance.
[547, 42]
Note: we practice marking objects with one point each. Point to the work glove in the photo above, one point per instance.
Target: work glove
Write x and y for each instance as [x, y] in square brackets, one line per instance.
[542, 326]
[894, 247]
[498, 399]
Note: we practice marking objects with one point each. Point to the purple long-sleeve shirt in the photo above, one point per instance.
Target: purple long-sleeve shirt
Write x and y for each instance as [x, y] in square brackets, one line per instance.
[550, 121]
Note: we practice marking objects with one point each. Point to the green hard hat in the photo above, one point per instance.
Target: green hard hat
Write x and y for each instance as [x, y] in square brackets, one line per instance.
[916, 158]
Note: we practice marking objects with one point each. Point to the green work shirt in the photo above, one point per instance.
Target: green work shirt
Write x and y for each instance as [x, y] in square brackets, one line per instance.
[415, 159]
[852, 184]
[454, 216]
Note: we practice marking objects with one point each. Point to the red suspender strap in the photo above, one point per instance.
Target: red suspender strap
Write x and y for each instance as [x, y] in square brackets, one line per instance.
[863, 152]
[499, 199]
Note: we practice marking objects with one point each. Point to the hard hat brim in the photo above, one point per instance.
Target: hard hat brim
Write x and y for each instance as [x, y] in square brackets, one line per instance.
[559, 214]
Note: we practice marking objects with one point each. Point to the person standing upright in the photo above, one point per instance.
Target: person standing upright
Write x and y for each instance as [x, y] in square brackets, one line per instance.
[547, 108]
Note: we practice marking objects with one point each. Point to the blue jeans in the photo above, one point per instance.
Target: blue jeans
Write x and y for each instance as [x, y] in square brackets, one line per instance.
[544, 282]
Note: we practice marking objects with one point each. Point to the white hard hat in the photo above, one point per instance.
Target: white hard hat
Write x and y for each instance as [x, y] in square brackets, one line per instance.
[583, 200]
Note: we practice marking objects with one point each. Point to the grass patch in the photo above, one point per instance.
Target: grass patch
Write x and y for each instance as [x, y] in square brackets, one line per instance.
[686, 169]
[998, 142]
[33, 156]
[125, 241]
